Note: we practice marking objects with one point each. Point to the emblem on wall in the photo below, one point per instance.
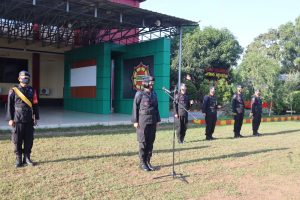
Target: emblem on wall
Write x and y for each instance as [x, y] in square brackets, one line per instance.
[137, 76]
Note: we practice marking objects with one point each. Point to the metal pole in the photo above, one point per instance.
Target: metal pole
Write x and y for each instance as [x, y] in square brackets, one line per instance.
[180, 57]
[67, 6]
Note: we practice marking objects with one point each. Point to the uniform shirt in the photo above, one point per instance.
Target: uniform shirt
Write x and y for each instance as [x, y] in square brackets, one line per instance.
[145, 108]
[210, 105]
[18, 110]
[237, 104]
[184, 103]
[256, 105]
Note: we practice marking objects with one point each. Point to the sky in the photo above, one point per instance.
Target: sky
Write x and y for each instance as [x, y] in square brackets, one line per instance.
[246, 19]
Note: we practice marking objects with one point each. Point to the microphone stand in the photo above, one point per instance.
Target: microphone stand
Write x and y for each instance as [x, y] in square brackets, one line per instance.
[174, 174]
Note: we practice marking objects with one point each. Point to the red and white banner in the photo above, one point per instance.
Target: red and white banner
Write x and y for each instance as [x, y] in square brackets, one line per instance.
[84, 79]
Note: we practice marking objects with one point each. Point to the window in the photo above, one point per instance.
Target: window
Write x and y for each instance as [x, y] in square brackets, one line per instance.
[10, 68]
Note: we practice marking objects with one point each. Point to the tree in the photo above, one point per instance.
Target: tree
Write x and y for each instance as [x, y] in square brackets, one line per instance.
[267, 42]
[289, 36]
[208, 48]
[291, 85]
[224, 91]
[281, 44]
[259, 71]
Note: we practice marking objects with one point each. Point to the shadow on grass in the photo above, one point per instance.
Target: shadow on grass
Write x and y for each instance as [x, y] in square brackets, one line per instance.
[87, 131]
[125, 154]
[262, 134]
[147, 184]
[234, 155]
[281, 132]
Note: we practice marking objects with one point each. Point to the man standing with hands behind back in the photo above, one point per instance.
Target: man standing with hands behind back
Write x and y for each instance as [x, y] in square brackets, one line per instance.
[238, 109]
[256, 111]
[22, 113]
[209, 110]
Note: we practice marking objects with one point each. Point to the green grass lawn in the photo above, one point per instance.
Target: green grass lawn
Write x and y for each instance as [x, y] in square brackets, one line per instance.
[103, 164]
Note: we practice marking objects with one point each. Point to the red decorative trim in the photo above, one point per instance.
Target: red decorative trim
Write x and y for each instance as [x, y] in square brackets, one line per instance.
[83, 92]
[248, 121]
[84, 63]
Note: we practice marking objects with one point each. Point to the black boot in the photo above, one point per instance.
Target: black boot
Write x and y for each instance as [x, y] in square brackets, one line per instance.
[144, 166]
[213, 138]
[18, 161]
[27, 160]
[238, 135]
[208, 137]
[149, 164]
[256, 134]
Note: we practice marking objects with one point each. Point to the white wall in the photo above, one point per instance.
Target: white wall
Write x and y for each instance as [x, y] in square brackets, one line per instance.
[52, 74]
[51, 71]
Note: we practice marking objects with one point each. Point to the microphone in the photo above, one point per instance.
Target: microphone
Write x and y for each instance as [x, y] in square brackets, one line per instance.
[166, 90]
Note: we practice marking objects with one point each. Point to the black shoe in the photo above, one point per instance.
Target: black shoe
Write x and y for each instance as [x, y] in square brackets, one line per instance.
[238, 136]
[208, 138]
[150, 166]
[18, 162]
[213, 138]
[144, 167]
[27, 160]
[256, 134]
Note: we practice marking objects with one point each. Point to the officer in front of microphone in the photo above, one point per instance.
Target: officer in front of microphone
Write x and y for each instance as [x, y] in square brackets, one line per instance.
[145, 118]
[181, 105]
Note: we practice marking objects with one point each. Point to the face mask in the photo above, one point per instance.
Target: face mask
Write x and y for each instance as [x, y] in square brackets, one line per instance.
[24, 80]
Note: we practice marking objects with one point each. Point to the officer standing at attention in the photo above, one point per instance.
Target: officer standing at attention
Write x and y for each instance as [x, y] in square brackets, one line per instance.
[238, 109]
[182, 103]
[22, 113]
[256, 111]
[209, 110]
[145, 118]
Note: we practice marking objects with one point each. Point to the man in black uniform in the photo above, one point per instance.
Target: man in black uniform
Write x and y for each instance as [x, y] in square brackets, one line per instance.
[182, 103]
[256, 111]
[238, 109]
[145, 117]
[209, 109]
[22, 113]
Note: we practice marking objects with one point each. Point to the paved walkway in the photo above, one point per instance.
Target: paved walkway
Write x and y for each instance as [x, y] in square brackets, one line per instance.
[55, 117]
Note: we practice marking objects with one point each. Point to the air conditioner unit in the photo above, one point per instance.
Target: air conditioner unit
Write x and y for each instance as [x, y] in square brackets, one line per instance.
[44, 91]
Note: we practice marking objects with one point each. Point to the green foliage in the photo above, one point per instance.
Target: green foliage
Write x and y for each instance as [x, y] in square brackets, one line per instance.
[191, 89]
[267, 42]
[259, 71]
[289, 37]
[203, 88]
[270, 54]
[296, 101]
[279, 105]
[290, 86]
[224, 92]
[205, 49]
